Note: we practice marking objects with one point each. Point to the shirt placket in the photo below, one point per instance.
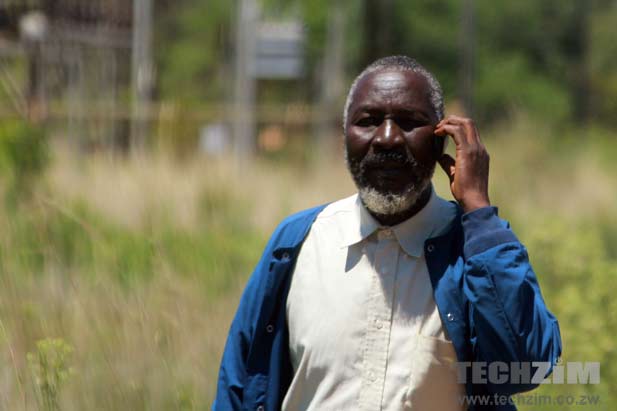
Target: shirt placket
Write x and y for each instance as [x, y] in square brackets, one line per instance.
[380, 305]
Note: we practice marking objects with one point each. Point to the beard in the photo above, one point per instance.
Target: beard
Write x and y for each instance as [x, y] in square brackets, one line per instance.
[381, 200]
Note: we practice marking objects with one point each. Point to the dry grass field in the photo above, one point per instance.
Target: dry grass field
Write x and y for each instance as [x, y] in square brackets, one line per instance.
[119, 277]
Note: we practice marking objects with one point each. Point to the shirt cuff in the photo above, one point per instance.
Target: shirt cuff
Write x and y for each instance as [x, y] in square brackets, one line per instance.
[483, 229]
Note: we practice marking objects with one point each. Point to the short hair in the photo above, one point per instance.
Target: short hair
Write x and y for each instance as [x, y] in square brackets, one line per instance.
[401, 63]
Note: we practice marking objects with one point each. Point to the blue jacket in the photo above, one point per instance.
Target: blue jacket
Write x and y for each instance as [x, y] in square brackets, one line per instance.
[485, 289]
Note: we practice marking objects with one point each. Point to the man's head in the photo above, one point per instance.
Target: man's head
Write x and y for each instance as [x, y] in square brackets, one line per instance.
[389, 119]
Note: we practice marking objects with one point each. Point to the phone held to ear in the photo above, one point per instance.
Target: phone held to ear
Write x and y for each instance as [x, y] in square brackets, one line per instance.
[439, 146]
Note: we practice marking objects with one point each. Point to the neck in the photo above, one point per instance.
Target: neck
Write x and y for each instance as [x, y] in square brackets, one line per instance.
[394, 219]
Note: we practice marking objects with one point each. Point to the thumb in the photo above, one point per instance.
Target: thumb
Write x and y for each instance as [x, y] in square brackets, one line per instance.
[448, 165]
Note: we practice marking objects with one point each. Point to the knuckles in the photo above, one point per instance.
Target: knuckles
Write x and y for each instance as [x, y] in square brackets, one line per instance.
[468, 121]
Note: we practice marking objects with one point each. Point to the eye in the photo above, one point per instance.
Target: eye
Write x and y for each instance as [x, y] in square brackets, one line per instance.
[368, 121]
[409, 123]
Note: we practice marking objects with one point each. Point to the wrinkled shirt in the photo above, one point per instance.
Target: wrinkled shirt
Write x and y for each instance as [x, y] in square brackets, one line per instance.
[364, 329]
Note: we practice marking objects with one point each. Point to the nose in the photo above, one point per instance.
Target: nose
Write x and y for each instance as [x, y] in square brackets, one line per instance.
[388, 135]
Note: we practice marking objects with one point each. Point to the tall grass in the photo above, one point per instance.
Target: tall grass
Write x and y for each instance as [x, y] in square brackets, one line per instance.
[129, 271]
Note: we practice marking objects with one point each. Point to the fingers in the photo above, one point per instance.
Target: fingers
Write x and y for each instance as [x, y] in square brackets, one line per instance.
[462, 130]
[458, 135]
[468, 174]
[448, 165]
[466, 124]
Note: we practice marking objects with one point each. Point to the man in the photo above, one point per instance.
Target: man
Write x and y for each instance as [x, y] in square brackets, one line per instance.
[375, 301]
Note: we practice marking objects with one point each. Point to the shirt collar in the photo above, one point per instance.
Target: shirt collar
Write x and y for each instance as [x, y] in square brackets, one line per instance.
[360, 226]
[411, 233]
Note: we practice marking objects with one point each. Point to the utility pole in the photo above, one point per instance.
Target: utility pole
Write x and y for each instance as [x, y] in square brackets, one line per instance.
[142, 72]
[467, 57]
[580, 84]
[379, 35]
[33, 29]
[244, 92]
[331, 80]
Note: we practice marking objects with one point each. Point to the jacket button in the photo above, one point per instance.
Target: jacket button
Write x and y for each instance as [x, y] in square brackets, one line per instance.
[430, 248]
[261, 408]
[285, 256]
[450, 316]
[269, 328]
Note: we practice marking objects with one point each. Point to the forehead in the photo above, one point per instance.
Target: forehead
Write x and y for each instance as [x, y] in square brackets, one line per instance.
[392, 88]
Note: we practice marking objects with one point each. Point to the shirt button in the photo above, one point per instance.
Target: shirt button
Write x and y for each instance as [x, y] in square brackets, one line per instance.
[450, 316]
[269, 328]
[379, 326]
[430, 248]
[385, 233]
[372, 376]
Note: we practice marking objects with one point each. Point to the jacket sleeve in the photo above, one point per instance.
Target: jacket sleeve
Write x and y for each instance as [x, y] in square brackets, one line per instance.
[233, 374]
[509, 321]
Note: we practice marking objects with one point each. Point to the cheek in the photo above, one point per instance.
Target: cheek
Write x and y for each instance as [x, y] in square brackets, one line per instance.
[357, 145]
[422, 146]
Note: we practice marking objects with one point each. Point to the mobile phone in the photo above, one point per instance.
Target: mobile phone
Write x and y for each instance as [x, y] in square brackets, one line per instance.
[439, 146]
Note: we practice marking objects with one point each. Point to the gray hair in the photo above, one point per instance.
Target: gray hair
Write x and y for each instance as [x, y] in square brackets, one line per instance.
[402, 63]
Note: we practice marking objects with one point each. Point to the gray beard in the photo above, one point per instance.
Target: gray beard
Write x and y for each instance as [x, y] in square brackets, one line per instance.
[390, 203]
[386, 203]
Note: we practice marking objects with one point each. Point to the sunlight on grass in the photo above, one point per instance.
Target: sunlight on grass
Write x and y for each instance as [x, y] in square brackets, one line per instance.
[137, 265]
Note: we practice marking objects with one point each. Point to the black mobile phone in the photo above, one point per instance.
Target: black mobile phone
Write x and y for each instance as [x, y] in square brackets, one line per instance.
[439, 146]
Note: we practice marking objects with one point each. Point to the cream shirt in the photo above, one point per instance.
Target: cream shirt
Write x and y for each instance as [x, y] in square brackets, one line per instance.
[364, 330]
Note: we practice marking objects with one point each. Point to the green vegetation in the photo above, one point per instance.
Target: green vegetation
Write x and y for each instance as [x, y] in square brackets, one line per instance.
[23, 156]
[135, 301]
[142, 311]
[555, 58]
[50, 370]
[119, 276]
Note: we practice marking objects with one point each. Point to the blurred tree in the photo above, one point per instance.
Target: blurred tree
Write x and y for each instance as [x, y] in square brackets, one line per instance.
[193, 49]
[429, 31]
[552, 58]
[577, 53]
[24, 155]
[603, 62]
[467, 57]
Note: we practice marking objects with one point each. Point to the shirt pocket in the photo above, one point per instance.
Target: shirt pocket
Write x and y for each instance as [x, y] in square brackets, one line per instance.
[434, 381]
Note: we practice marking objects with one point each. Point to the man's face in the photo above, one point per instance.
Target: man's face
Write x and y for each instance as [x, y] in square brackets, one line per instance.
[389, 141]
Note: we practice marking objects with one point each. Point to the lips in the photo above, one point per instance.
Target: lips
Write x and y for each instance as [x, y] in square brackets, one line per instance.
[381, 176]
[389, 167]
[387, 160]
[386, 165]
[394, 171]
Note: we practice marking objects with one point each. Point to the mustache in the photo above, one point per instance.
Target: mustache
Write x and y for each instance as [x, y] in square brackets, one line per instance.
[381, 158]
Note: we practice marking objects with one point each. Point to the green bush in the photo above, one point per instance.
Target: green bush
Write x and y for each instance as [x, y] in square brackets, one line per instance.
[23, 155]
[576, 268]
[49, 367]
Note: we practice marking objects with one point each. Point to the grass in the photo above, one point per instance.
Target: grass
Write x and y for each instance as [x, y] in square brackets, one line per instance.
[127, 272]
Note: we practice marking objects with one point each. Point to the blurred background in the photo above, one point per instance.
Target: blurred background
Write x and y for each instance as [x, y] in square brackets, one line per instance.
[148, 148]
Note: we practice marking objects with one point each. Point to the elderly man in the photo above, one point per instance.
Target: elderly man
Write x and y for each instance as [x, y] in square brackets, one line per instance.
[391, 298]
